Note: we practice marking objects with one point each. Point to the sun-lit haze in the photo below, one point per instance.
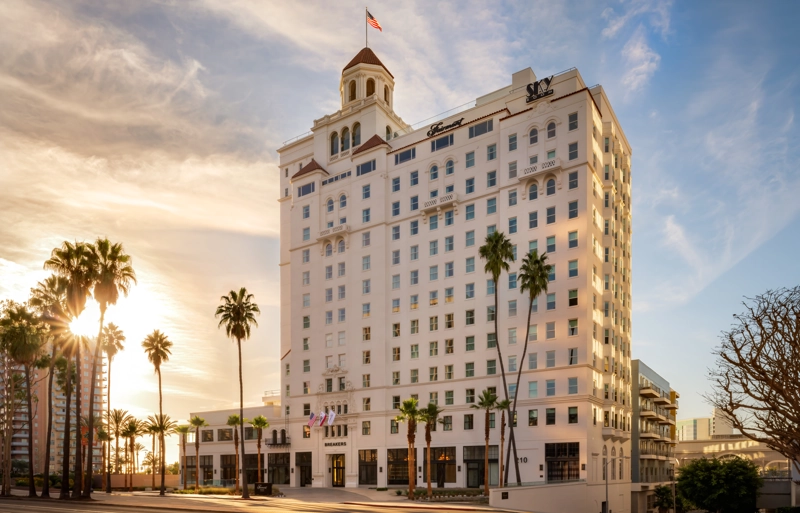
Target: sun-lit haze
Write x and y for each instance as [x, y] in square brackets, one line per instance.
[155, 124]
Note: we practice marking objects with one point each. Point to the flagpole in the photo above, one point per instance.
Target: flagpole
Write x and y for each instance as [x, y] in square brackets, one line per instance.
[366, 29]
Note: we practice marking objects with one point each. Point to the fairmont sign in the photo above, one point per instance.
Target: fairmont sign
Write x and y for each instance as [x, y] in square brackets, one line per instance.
[334, 444]
[539, 89]
[441, 127]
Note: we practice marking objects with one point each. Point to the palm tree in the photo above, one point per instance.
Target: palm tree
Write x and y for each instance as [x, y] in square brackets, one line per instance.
[260, 423]
[183, 430]
[487, 401]
[157, 347]
[112, 275]
[113, 339]
[152, 432]
[104, 438]
[533, 278]
[163, 426]
[503, 405]
[233, 421]
[23, 336]
[430, 416]
[411, 414]
[49, 300]
[498, 251]
[197, 423]
[237, 313]
[74, 263]
[129, 432]
[117, 420]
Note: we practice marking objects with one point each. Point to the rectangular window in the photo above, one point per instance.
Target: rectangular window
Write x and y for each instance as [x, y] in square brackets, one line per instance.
[414, 178]
[573, 180]
[448, 218]
[470, 343]
[491, 152]
[572, 327]
[434, 222]
[533, 361]
[433, 323]
[306, 211]
[396, 208]
[533, 418]
[573, 210]
[365, 310]
[448, 295]
[491, 367]
[366, 167]
[550, 419]
[512, 280]
[551, 359]
[512, 225]
[448, 270]
[470, 238]
[470, 159]
[365, 215]
[573, 297]
[470, 185]
[414, 227]
[468, 422]
[572, 238]
[448, 372]
[414, 331]
[414, 301]
[551, 154]
[470, 396]
[433, 374]
[480, 128]
[551, 301]
[551, 387]
[433, 273]
[573, 419]
[573, 268]
[365, 381]
[414, 277]
[305, 189]
[551, 215]
[512, 308]
[414, 375]
[512, 142]
[396, 329]
[491, 178]
[366, 333]
[396, 184]
[442, 142]
[512, 197]
[573, 121]
[573, 151]
[572, 386]
[402, 157]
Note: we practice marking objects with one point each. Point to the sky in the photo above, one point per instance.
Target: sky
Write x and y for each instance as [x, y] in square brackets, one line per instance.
[156, 124]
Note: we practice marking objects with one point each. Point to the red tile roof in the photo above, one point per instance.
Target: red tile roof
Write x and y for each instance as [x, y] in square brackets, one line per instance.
[373, 142]
[311, 166]
[366, 56]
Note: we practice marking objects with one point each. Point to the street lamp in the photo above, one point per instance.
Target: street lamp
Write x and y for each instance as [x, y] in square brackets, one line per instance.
[607, 509]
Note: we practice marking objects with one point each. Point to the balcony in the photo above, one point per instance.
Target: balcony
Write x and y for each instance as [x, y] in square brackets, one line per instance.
[285, 441]
[672, 406]
[646, 413]
[342, 229]
[649, 391]
[649, 435]
[534, 169]
[610, 433]
[661, 400]
[440, 202]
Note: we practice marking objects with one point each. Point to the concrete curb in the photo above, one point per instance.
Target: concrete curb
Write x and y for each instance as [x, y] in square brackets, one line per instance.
[429, 506]
[102, 503]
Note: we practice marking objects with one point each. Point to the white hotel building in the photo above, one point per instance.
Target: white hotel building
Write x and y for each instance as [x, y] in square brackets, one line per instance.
[384, 297]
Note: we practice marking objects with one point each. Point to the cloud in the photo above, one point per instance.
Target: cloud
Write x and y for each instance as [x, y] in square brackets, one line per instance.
[657, 11]
[642, 62]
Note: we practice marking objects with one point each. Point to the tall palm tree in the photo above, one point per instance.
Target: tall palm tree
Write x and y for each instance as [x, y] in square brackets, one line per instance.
[138, 448]
[49, 300]
[113, 339]
[163, 426]
[157, 347]
[234, 421]
[411, 414]
[487, 401]
[103, 437]
[197, 423]
[533, 279]
[112, 275]
[129, 432]
[260, 423]
[238, 313]
[430, 416]
[151, 430]
[183, 430]
[73, 262]
[23, 336]
[117, 420]
[498, 251]
[503, 406]
[65, 379]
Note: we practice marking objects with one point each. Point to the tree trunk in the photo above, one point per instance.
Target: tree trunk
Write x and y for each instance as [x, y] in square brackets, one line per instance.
[236, 451]
[76, 490]
[162, 492]
[64, 493]
[108, 420]
[512, 440]
[502, 442]
[428, 442]
[183, 463]
[500, 354]
[258, 463]
[29, 404]
[196, 459]
[49, 436]
[245, 491]
[486, 453]
[87, 490]
[153, 462]
[411, 468]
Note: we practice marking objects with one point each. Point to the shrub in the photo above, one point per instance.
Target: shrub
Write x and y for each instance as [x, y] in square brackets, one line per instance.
[398, 492]
[381, 489]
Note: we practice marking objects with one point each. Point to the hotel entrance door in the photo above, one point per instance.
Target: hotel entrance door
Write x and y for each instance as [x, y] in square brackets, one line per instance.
[337, 470]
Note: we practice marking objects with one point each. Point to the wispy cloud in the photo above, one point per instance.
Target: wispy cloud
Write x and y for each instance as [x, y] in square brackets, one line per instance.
[656, 12]
[642, 62]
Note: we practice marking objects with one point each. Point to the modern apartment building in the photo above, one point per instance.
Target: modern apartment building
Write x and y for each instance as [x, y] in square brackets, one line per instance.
[384, 296]
[705, 428]
[38, 419]
[655, 409]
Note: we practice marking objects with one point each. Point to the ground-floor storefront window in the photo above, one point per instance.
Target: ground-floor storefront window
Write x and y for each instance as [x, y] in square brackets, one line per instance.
[251, 467]
[303, 462]
[397, 466]
[278, 468]
[368, 467]
[227, 467]
[475, 464]
[443, 465]
[562, 461]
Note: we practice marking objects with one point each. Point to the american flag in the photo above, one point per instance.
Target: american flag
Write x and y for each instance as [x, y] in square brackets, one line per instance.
[372, 21]
[311, 419]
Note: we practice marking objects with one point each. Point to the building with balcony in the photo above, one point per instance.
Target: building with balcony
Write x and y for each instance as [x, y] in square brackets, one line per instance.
[655, 408]
[705, 428]
[384, 297]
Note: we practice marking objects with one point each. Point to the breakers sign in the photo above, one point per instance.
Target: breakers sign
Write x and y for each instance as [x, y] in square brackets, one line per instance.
[334, 444]
[441, 127]
[539, 89]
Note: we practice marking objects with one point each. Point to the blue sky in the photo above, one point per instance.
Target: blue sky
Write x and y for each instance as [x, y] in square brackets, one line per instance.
[156, 124]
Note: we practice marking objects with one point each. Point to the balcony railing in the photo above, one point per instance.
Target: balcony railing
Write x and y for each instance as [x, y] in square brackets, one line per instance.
[442, 201]
[534, 169]
[341, 229]
[279, 442]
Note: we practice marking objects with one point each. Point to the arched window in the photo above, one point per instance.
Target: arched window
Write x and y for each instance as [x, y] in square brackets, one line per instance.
[434, 172]
[345, 139]
[449, 168]
[283, 436]
[330, 204]
[342, 201]
[328, 249]
[621, 467]
[386, 94]
[388, 133]
[605, 462]
[274, 436]
[340, 247]
[551, 130]
[533, 136]
[352, 92]
[533, 192]
[356, 134]
[370, 87]
[334, 144]
[613, 463]
[605, 450]
[551, 186]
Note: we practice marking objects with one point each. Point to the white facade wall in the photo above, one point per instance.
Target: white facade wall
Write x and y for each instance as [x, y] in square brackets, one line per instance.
[510, 114]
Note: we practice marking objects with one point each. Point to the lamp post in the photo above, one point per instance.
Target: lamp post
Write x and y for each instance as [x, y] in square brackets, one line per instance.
[605, 469]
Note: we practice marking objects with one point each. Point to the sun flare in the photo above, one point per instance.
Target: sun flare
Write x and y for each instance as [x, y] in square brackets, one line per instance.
[87, 324]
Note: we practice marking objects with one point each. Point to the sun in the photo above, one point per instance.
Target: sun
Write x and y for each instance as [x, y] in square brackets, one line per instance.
[87, 324]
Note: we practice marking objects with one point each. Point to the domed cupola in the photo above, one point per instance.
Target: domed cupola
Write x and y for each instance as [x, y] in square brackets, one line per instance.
[364, 76]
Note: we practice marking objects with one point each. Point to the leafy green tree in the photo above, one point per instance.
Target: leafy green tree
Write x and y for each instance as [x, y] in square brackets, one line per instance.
[487, 402]
[533, 279]
[498, 251]
[112, 275]
[259, 423]
[721, 486]
[409, 412]
[664, 500]
[158, 349]
[429, 415]
[197, 423]
[238, 313]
